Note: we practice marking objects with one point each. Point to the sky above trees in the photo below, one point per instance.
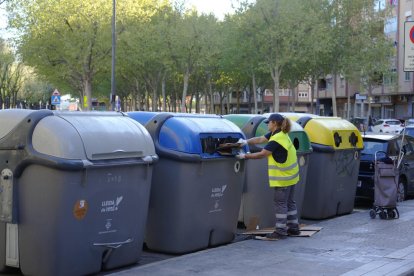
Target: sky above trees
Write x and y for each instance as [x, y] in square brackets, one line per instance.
[218, 7]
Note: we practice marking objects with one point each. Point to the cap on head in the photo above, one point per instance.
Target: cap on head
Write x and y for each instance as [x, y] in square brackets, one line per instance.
[274, 117]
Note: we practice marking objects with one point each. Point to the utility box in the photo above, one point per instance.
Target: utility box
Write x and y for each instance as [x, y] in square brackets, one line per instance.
[74, 191]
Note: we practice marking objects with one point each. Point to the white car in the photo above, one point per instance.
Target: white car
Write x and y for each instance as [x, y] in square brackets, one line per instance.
[387, 126]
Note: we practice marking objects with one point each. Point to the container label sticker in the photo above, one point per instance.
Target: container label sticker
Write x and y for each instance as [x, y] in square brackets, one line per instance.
[108, 228]
[302, 161]
[111, 205]
[80, 209]
[216, 194]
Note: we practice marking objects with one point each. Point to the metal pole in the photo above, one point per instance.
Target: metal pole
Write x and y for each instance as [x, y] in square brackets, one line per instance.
[113, 92]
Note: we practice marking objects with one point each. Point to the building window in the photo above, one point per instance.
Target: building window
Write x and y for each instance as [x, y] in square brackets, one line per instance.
[390, 25]
[407, 76]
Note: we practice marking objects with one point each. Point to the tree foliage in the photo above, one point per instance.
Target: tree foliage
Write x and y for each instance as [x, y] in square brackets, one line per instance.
[167, 55]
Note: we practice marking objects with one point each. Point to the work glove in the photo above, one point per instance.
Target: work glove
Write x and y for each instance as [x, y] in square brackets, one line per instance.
[242, 142]
[241, 156]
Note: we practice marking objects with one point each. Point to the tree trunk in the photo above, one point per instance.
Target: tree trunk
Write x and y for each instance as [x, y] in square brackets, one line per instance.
[348, 101]
[163, 93]
[369, 101]
[276, 77]
[197, 104]
[334, 111]
[254, 93]
[185, 89]
[138, 95]
[294, 94]
[228, 101]
[237, 100]
[87, 86]
[210, 89]
[312, 106]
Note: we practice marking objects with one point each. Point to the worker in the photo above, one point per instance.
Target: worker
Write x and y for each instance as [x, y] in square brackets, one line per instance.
[283, 171]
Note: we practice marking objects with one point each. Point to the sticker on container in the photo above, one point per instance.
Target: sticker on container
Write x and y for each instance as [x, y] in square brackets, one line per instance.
[80, 209]
[302, 161]
[111, 205]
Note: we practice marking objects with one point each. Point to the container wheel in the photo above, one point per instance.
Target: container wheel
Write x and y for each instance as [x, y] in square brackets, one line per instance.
[372, 213]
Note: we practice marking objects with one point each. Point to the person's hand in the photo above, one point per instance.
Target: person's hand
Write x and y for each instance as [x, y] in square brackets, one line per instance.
[242, 142]
[241, 156]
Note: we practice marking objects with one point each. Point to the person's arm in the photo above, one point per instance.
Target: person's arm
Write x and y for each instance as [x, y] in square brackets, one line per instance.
[257, 155]
[257, 140]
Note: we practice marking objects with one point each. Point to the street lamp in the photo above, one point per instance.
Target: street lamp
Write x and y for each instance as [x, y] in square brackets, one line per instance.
[113, 92]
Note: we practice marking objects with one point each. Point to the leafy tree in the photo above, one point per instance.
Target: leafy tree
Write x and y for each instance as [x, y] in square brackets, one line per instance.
[69, 41]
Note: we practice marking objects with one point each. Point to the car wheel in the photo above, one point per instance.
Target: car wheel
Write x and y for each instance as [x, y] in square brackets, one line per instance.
[401, 191]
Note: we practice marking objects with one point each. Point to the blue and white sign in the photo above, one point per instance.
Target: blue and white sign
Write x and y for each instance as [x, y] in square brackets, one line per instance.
[55, 100]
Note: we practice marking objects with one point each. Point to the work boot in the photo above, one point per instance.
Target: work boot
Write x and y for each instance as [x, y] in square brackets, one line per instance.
[276, 236]
[293, 232]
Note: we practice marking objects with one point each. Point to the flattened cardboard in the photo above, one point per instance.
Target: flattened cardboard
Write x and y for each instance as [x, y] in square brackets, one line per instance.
[305, 231]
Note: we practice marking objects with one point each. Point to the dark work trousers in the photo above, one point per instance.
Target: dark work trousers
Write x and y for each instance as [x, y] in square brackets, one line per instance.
[285, 209]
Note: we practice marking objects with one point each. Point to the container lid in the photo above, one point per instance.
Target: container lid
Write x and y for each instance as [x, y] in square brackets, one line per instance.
[333, 131]
[239, 119]
[297, 134]
[143, 117]
[92, 135]
[10, 118]
[185, 132]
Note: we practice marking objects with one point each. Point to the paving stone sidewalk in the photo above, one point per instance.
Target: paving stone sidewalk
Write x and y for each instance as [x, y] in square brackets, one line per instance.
[348, 245]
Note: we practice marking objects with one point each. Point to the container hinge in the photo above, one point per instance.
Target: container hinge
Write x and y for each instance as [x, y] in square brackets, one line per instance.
[12, 245]
[6, 195]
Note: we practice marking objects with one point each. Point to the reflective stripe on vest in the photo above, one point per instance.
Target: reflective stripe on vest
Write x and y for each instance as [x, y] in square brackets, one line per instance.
[283, 174]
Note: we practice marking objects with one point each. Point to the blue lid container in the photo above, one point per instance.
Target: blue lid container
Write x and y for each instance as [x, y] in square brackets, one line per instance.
[188, 134]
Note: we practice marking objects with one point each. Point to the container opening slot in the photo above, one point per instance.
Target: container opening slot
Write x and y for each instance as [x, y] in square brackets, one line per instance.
[211, 144]
[296, 143]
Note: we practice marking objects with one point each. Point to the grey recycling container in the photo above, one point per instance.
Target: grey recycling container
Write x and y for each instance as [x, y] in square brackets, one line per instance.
[75, 191]
[257, 207]
[196, 192]
[333, 166]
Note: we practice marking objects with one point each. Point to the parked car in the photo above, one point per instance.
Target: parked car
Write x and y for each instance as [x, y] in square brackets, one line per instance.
[409, 130]
[387, 126]
[391, 145]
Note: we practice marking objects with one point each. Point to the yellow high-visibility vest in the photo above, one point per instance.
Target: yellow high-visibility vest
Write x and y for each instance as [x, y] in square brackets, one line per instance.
[283, 174]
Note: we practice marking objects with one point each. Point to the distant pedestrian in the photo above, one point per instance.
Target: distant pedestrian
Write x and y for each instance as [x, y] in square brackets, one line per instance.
[370, 123]
[283, 173]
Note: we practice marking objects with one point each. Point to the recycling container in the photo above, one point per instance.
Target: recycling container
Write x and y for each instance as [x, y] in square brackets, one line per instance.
[196, 192]
[257, 207]
[333, 167]
[74, 191]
